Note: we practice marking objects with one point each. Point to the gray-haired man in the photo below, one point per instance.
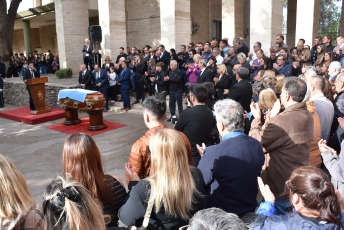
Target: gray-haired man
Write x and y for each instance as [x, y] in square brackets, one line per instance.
[176, 88]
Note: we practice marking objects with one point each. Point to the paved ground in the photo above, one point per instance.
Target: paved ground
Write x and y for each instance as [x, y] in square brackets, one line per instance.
[37, 151]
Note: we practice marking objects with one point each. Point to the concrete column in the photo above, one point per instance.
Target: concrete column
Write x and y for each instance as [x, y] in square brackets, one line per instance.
[175, 22]
[112, 19]
[27, 36]
[72, 23]
[307, 20]
[265, 22]
[291, 23]
[232, 19]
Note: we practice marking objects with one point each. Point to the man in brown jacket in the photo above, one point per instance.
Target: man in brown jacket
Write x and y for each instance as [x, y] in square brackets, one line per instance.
[154, 113]
[286, 138]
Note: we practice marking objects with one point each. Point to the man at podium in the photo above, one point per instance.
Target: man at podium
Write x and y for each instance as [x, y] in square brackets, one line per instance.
[30, 73]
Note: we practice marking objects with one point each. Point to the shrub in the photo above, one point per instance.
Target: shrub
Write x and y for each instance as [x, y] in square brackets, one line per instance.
[64, 73]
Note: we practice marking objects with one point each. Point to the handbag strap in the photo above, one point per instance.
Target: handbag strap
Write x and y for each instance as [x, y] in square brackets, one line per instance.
[148, 212]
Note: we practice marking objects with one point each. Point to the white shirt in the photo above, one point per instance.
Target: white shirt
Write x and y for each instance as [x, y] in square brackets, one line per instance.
[112, 79]
[219, 60]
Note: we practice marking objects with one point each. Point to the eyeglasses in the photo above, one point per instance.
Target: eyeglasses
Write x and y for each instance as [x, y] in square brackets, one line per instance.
[189, 46]
[107, 60]
[279, 59]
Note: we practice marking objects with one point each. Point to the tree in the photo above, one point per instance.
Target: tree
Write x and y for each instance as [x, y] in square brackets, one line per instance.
[7, 18]
[329, 18]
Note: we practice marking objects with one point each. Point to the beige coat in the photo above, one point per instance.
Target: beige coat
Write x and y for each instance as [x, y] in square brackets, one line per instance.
[287, 138]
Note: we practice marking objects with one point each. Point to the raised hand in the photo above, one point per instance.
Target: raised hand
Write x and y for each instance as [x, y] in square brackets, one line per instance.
[265, 191]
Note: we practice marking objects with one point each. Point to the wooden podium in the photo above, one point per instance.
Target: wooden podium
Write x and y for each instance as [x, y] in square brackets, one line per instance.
[37, 91]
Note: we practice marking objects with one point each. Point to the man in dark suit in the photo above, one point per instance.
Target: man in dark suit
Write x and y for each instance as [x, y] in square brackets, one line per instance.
[242, 91]
[124, 81]
[30, 73]
[101, 82]
[233, 165]
[205, 75]
[85, 78]
[2, 69]
[87, 51]
[163, 56]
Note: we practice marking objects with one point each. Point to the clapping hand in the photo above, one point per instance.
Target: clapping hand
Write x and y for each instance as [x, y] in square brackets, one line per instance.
[167, 78]
[131, 172]
[255, 110]
[274, 111]
[201, 149]
[323, 147]
[265, 191]
[226, 92]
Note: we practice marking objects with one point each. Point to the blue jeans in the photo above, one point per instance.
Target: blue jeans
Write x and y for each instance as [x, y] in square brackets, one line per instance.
[176, 96]
[282, 206]
[43, 69]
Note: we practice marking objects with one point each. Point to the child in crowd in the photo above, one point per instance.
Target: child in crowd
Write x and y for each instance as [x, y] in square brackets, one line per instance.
[113, 85]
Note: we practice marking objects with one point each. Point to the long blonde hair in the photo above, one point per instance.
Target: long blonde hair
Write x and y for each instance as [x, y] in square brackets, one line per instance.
[14, 193]
[171, 181]
[69, 205]
[267, 99]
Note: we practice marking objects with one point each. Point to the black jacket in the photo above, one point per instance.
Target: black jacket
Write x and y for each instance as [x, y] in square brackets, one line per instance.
[2, 70]
[86, 79]
[166, 58]
[224, 83]
[27, 74]
[161, 83]
[176, 80]
[134, 208]
[242, 93]
[206, 76]
[121, 55]
[140, 70]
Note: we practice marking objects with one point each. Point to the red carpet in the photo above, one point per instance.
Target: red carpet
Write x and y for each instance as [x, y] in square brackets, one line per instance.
[24, 115]
[82, 127]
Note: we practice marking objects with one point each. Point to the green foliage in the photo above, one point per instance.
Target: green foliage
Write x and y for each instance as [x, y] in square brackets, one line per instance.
[329, 19]
[64, 73]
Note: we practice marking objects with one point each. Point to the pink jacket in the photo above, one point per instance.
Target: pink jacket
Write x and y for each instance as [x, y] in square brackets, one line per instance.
[192, 74]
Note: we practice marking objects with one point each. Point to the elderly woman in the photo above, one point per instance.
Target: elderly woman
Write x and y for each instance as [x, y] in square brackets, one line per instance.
[193, 69]
[313, 197]
[242, 60]
[257, 63]
[212, 65]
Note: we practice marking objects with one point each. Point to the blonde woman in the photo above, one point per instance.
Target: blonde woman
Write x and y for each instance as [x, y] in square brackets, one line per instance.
[222, 82]
[279, 84]
[18, 209]
[173, 185]
[69, 205]
[193, 69]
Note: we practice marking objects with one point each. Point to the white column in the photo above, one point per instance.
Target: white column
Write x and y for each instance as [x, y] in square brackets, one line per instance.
[265, 22]
[71, 29]
[307, 20]
[112, 19]
[175, 22]
[232, 19]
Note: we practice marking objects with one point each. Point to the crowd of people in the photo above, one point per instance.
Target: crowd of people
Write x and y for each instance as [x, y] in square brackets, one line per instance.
[43, 63]
[253, 124]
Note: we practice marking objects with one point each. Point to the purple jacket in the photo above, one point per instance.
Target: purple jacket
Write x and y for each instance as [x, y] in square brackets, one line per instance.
[192, 74]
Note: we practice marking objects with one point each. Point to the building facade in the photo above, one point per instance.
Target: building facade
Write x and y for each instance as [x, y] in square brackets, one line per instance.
[62, 25]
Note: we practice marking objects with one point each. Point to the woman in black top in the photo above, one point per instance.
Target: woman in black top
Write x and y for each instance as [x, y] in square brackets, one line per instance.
[173, 55]
[140, 68]
[174, 187]
[212, 65]
[82, 162]
[222, 82]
